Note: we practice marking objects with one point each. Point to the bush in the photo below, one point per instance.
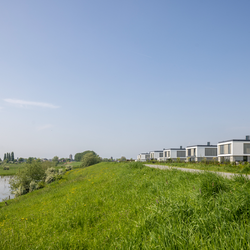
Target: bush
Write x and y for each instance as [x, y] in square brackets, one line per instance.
[34, 171]
[60, 171]
[68, 168]
[33, 186]
[50, 178]
[50, 171]
[20, 191]
[6, 168]
[90, 159]
[40, 184]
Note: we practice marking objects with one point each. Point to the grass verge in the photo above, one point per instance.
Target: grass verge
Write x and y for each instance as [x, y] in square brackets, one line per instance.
[130, 206]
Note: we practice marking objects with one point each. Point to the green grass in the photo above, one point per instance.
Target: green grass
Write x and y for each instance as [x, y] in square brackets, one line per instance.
[14, 168]
[217, 167]
[129, 206]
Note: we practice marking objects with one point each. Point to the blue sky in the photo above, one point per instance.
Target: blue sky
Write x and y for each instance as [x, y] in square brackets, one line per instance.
[122, 77]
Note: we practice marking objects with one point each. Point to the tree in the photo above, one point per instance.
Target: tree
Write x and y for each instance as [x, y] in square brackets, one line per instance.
[55, 160]
[29, 160]
[12, 156]
[89, 159]
[20, 160]
[123, 158]
[5, 157]
[79, 156]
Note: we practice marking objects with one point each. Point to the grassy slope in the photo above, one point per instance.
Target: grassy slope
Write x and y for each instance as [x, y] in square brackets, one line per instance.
[118, 206]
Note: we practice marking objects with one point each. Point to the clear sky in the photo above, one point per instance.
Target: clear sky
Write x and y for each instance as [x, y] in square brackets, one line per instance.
[122, 77]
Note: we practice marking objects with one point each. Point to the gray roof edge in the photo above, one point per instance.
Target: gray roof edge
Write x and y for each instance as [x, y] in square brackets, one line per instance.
[201, 146]
[234, 140]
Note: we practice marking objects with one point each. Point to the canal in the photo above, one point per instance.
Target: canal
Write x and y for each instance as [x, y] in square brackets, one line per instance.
[5, 191]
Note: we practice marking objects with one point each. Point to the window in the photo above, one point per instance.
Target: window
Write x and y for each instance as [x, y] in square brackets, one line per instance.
[181, 154]
[210, 151]
[189, 152]
[165, 154]
[229, 148]
[161, 154]
[221, 149]
[168, 153]
[194, 151]
[246, 148]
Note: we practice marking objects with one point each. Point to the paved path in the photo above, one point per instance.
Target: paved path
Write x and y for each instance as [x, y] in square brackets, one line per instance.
[228, 175]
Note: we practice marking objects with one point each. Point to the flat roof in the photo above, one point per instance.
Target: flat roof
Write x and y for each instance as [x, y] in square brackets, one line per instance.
[174, 149]
[235, 140]
[157, 151]
[202, 146]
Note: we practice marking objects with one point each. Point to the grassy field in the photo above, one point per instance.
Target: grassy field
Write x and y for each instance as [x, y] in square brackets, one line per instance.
[129, 206]
[13, 168]
[229, 168]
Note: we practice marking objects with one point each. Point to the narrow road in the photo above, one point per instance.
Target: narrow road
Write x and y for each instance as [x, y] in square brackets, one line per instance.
[227, 175]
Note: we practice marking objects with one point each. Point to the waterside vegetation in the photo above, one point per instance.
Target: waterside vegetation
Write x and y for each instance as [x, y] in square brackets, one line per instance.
[130, 206]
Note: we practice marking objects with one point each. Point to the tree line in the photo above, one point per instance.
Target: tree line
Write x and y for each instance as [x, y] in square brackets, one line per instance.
[9, 157]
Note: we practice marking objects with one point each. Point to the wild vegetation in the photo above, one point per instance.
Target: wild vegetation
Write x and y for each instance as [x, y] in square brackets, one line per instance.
[79, 156]
[130, 206]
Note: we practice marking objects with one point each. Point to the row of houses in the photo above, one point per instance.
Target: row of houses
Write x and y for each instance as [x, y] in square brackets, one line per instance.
[230, 150]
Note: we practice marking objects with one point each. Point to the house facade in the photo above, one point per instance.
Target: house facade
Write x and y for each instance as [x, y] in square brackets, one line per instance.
[200, 152]
[156, 155]
[143, 157]
[174, 154]
[234, 150]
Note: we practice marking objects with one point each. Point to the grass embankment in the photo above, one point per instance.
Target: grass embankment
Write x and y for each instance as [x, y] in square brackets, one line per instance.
[217, 167]
[128, 206]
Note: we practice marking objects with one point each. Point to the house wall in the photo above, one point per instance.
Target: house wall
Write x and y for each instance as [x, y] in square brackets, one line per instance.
[199, 153]
[237, 151]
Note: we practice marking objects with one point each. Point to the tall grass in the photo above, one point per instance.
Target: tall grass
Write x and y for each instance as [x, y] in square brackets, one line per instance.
[129, 206]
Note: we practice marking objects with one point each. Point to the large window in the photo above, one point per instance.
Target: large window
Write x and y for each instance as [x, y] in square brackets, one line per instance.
[246, 148]
[210, 151]
[221, 149]
[189, 152]
[181, 154]
[161, 154]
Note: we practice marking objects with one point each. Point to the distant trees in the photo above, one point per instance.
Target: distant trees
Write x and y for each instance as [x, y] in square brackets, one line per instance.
[9, 157]
[55, 160]
[123, 158]
[12, 156]
[79, 156]
[29, 160]
[20, 160]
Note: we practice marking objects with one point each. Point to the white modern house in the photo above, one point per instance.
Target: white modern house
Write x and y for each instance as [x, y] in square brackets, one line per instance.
[143, 157]
[200, 152]
[156, 155]
[174, 153]
[234, 150]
